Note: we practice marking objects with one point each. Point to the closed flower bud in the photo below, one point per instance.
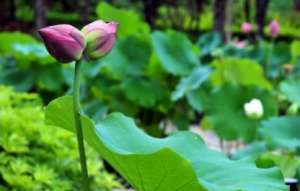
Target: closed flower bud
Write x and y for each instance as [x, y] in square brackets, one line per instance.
[246, 27]
[274, 28]
[64, 42]
[254, 109]
[100, 37]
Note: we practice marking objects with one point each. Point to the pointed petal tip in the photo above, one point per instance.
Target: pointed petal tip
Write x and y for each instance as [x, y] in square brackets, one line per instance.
[44, 31]
[114, 26]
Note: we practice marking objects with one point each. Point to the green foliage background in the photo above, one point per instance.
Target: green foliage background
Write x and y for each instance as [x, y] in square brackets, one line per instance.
[35, 156]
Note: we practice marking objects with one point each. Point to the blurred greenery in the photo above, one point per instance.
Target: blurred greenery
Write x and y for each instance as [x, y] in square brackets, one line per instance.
[35, 156]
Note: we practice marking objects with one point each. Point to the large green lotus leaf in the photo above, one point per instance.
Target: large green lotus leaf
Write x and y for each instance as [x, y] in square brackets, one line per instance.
[252, 151]
[224, 108]
[291, 89]
[129, 58]
[282, 132]
[129, 21]
[180, 162]
[175, 52]
[240, 72]
[191, 82]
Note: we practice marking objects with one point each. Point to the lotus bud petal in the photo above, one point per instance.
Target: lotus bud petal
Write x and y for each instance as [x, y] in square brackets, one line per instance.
[64, 42]
[274, 28]
[246, 27]
[254, 109]
[101, 37]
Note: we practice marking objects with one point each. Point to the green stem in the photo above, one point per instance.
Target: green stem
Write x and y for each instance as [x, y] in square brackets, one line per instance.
[77, 113]
[269, 57]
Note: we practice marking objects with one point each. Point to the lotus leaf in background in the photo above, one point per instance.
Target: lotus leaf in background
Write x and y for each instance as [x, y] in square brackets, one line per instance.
[281, 55]
[141, 159]
[272, 60]
[239, 71]
[25, 64]
[130, 57]
[175, 52]
[196, 97]
[23, 48]
[282, 132]
[130, 23]
[224, 108]
[193, 81]
[209, 42]
[144, 92]
[290, 88]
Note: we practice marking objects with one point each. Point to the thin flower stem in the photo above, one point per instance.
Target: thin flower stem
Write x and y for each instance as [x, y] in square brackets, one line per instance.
[268, 64]
[77, 112]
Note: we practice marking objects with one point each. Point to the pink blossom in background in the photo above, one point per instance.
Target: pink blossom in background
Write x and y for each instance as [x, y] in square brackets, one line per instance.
[240, 44]
[274, 28]
[246, 27]
[100, 37]
[64, 42]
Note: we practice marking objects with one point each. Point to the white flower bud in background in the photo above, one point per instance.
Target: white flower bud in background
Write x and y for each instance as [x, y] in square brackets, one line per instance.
[254, 109]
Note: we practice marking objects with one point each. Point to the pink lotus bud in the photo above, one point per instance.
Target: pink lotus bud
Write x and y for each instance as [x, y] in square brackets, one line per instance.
[274, 28]
[100, 37]
[240, 44]
[63, 42]
[246, 27]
